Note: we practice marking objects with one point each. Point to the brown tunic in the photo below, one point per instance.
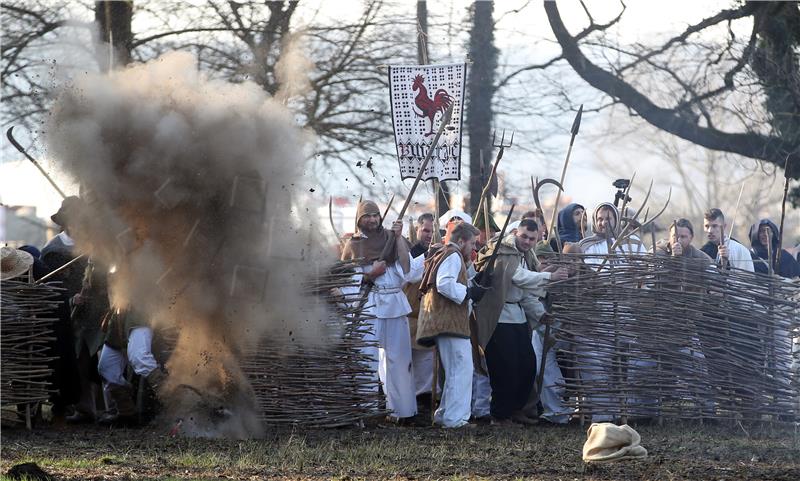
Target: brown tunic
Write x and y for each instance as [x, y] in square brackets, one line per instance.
[439, 315]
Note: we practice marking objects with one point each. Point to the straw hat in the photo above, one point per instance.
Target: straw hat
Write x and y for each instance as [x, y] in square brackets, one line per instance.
[608, 442]
[14, 263]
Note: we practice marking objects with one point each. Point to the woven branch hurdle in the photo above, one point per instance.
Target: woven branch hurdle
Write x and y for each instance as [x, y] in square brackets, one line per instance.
[667, 337]
[323, 386]
[27, 313]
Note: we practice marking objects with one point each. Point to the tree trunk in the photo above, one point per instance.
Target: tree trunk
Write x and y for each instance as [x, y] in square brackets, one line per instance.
[423, 58]
[481, 89]
[114, 21]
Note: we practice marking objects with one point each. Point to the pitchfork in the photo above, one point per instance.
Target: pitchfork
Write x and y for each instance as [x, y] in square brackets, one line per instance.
[502, 145]
[491, 185]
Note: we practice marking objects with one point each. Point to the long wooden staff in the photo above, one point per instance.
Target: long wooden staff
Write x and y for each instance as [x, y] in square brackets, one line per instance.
[16, 145]
[733, 223]
[783, 215]
[576, 125]
[53, 273]
[333, 226]
[388, 206]
[386, 248]
[445, 120]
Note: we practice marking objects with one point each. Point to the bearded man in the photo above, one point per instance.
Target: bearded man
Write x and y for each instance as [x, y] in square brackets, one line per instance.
[444, 321]
[680, 242]
[506, 316]
[595, 363]
[386, 266]
[724, 250]
[604, 227]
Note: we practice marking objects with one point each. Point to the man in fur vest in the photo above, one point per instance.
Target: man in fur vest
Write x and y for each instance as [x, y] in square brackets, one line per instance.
[505, 317]
[387, 273]
[444, 321]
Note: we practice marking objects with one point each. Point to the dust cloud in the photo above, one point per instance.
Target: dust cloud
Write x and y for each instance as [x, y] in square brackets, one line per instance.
[193, 194]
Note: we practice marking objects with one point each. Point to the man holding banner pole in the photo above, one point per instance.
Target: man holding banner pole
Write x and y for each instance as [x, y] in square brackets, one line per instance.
[385, 270]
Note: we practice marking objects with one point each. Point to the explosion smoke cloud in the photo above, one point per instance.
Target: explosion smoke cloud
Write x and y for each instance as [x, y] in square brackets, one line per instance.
[190, 185]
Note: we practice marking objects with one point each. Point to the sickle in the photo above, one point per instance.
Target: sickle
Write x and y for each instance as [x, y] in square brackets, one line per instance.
[330, 218]
[539, 184]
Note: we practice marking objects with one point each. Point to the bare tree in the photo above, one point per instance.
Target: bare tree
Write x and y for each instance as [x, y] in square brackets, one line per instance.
[345, 105]
[27, 29]
[698, 181]
[481, 88]
[683, 84]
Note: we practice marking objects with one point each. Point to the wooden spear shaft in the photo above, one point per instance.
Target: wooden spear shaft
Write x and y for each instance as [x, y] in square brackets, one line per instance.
[445, 120]
[576, 124]
[783, 216]
[733, 223]
[386, 248]
[17, 146]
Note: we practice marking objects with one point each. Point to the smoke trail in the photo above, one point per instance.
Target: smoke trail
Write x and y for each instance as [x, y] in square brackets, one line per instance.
[293, 67]
[193, 192]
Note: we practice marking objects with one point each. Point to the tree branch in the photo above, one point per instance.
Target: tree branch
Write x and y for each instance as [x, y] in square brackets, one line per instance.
[751, 144]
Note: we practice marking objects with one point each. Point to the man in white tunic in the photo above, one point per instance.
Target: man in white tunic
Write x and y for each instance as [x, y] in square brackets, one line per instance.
[730, 252]
[595, 362]
[505, 317]
[444, 321]
[551, 392]
[383, 271]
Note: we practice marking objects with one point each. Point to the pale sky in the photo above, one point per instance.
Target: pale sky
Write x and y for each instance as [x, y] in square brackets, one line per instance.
[522, 38]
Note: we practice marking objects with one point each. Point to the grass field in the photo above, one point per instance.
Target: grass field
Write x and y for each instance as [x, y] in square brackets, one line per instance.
[677, 451]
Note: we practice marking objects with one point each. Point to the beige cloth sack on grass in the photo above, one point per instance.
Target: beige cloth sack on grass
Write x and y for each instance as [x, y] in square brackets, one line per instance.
[608, 442]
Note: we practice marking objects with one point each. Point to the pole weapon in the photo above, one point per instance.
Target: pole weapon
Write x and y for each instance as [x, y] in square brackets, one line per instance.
[535, 187]
[445, 120]
[17, 146]
[387, 247]
[490, 265]
[330, 218]
[770, 268]
[733, 223]
[489, 189]
[783, 215]
[51, 274]
[576, 125]
[388, 206]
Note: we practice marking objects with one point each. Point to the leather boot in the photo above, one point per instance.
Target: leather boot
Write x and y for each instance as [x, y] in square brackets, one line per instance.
[125, 414]
[156, 380]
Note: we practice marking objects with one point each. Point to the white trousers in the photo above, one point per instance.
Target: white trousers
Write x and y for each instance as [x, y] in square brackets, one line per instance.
[140, 351]
[422, 368]
[456, 355]
[111, 365]
[112, 362]
[552, 394]
[391, 360]
[481, 394]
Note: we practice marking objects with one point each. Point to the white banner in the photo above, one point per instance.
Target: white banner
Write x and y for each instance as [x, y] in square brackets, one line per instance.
[420, 96]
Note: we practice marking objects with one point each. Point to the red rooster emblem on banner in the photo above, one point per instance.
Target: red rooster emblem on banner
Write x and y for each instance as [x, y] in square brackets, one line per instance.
[429, 107]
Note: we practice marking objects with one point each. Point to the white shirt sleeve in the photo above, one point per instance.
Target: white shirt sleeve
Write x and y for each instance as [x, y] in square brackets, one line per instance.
[447, 279]
[740, 257]
[417, 269]
[533, 307]
[525, 279]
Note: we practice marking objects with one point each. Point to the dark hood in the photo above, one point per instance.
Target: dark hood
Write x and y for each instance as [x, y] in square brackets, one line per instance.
[756, 244]
[787, 267]
[568, 231]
